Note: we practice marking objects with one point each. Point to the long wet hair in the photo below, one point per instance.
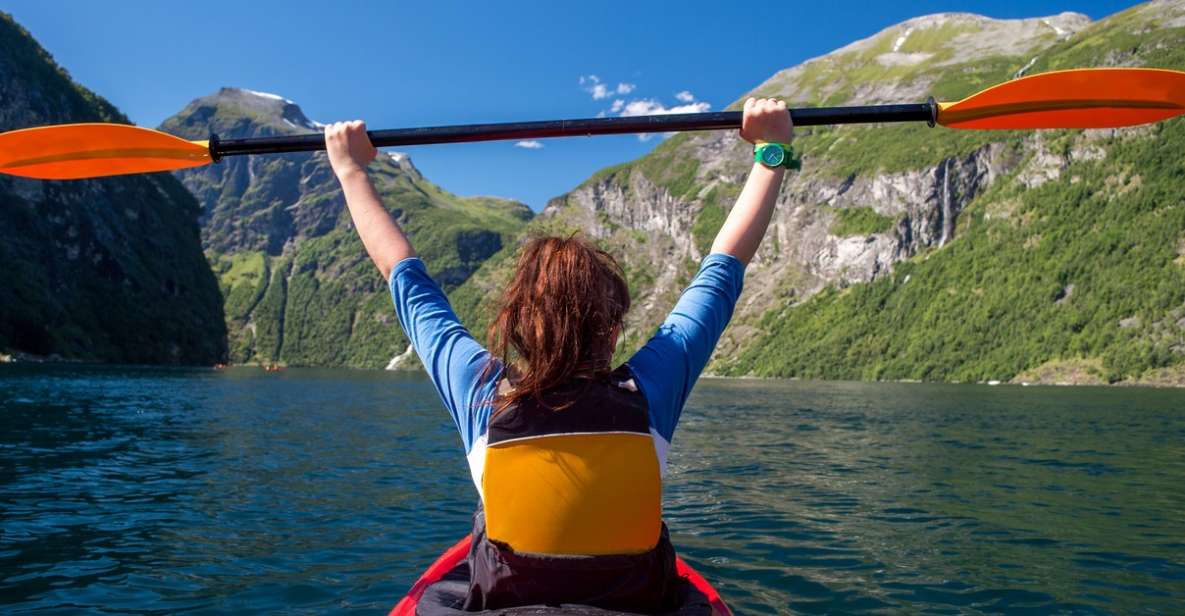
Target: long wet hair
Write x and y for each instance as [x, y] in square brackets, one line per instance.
[557, 317]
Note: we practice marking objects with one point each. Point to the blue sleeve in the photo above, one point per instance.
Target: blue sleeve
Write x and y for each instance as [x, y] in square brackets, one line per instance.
[454, 360]
[668, 366]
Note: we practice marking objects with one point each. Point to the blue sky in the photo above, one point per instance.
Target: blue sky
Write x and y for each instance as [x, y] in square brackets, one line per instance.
[400, 64]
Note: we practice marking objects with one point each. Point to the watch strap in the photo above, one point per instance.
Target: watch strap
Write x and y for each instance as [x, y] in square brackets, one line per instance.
[791, 161]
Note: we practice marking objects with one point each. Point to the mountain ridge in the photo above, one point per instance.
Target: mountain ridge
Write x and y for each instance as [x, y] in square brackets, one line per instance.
[874, 204]
[299, 287]
[899, 253]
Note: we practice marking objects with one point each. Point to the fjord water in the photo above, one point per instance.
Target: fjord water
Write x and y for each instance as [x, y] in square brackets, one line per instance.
[130, 490]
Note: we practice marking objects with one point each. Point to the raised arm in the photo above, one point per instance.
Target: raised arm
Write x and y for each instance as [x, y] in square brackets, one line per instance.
[667, 367]
[764, 120]
[455, 362]
[350, 150]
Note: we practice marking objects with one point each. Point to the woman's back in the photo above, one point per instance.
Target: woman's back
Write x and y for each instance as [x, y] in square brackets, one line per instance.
[570, 477]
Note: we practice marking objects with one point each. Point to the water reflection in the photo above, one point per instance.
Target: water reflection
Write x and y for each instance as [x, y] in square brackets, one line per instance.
[163, 490]
[131, 490]
[853, 497]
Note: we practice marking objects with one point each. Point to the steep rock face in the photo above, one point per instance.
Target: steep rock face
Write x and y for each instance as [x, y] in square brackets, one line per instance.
[807, 249]
[109, 269]
[874, 200]
[299, 288]
[256, 203]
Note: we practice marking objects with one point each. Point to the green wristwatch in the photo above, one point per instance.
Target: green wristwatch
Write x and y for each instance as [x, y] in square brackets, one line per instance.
[776, 155]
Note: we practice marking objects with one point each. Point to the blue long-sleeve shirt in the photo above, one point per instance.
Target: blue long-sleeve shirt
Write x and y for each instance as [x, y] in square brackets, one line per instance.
[665, 369]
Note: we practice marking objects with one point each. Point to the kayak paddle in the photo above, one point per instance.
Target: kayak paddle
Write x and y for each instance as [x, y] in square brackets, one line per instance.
[1079, 98]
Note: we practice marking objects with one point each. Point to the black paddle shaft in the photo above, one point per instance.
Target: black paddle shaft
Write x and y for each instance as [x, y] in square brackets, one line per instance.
[813, 116]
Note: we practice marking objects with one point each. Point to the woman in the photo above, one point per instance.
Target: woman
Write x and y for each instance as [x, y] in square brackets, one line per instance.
[566, 452]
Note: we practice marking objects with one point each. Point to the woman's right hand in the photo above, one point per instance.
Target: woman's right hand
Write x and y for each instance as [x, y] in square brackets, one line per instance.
[349, 147]
[766, 119]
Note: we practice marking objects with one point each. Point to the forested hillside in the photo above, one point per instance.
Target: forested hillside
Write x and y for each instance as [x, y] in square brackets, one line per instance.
[109, 269]
[907, 252]
[298, 286]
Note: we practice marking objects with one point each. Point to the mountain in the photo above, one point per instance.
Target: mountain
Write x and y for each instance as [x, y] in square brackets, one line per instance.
[907, 252]
[299, 287]
[107, 270]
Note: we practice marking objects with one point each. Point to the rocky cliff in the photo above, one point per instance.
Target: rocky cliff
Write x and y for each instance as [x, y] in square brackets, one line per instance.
[905, 252]
[299, 287]
[109, 270]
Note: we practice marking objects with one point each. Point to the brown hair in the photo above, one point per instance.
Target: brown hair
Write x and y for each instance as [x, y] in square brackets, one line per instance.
[558, 315]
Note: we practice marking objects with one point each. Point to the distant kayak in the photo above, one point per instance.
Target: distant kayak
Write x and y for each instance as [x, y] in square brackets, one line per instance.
[441, 590]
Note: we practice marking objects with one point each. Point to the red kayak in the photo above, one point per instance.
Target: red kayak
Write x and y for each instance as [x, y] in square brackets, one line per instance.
[456, 555]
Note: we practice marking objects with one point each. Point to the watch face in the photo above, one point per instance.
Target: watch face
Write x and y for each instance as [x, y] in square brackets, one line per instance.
[772, 156]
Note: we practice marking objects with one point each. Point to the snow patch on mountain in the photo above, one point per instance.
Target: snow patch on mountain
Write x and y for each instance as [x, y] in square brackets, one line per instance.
[267, 95]
[1060, 32]
[901, 40]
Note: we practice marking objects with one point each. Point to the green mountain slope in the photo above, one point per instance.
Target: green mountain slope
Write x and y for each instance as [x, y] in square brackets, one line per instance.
[904, 252]
[299, 288]
[1080, 273]
[110, 269]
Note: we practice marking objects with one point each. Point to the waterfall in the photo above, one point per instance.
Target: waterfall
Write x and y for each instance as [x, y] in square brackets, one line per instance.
[947, 218]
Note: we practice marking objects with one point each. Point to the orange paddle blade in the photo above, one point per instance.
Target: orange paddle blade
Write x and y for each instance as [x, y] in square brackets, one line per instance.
[1079, 98]
[76, 151]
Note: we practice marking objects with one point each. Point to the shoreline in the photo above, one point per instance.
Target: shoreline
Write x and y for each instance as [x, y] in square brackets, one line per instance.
[1172, 377]
[1132, 384]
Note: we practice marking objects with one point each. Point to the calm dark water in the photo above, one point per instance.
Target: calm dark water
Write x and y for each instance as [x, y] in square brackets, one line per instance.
[167, 491]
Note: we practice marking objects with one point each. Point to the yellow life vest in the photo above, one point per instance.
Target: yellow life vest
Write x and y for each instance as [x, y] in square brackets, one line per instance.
[582, 480]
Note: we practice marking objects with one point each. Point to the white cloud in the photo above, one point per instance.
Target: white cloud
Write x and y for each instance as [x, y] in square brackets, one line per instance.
[650, 106]
[625, 108]
[593, 85]
[529, 145]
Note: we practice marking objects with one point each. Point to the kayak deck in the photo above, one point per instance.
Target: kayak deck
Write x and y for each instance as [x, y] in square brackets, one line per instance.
[456, 554]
